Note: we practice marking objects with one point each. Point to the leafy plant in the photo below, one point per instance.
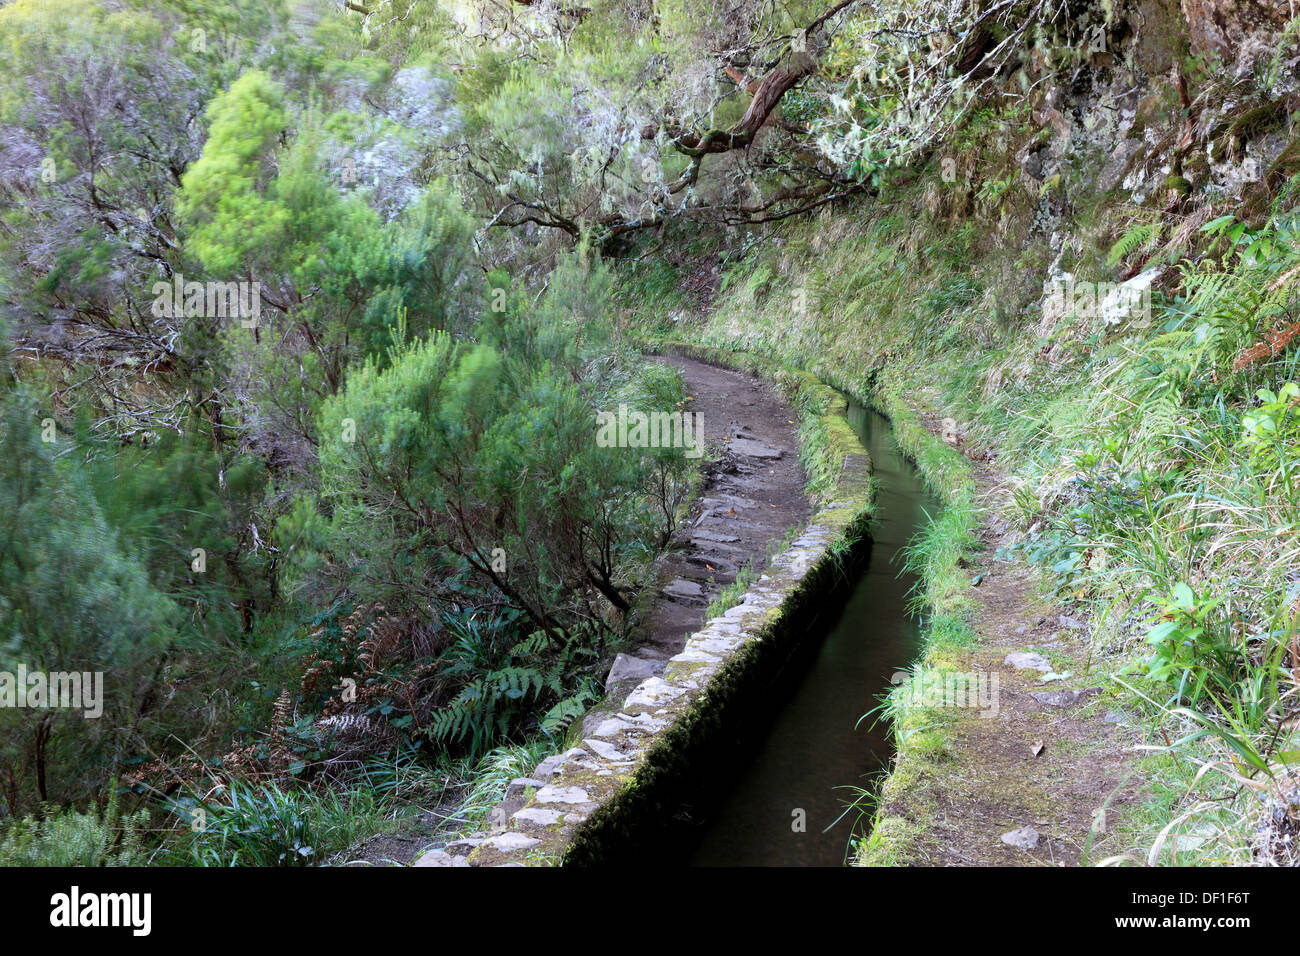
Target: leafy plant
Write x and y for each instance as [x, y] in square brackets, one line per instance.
[1142, 236]
[1271, 435]
[244, 824]
[1188, 644]
[73, 838]
[514, 688]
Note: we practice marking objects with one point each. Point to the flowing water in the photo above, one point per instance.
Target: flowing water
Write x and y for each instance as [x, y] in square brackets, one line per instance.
[816, 750]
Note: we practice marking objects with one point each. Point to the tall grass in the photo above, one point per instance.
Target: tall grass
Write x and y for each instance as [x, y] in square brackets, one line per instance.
[249, 824]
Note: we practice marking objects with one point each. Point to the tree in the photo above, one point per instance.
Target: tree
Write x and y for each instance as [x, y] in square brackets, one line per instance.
[230, 221]
[71, 599]
[625, 129]
[97, 127]
[482, 457]
[460, 461]
[335, 277]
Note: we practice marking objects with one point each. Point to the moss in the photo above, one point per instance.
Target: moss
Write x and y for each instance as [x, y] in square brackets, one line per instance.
[889, 842]
[637, 816]
[1286, 165]
[1196, 166]
[1160, 36]
[1259, 120]
[823, 409]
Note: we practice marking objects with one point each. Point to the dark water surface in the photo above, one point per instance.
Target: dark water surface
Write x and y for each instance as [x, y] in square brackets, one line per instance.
[813, 754]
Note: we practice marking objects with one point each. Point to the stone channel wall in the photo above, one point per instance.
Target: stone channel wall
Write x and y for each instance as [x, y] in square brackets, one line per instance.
[585, 805]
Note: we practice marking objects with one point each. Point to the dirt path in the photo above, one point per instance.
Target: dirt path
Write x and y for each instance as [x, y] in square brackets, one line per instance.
[1057, 759]
[751, 496]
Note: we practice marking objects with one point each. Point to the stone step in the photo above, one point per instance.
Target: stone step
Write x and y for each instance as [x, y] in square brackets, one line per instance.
[713, 564]
[714, 537]
[685, 592]
[754, 449]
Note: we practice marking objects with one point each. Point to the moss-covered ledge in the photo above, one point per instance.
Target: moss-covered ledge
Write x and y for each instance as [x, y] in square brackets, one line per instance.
[597, 801]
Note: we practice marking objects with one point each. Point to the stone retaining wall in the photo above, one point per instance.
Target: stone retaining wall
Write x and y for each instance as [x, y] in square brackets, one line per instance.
[580, 806]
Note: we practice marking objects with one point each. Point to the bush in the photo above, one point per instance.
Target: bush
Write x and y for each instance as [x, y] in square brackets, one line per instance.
[72, 838]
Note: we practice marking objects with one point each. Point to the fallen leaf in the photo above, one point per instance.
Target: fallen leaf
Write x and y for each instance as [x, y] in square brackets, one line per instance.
[1037, 748]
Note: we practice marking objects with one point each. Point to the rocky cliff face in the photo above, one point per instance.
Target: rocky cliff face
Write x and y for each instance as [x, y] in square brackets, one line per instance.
[1177, 111]
[1234, 29]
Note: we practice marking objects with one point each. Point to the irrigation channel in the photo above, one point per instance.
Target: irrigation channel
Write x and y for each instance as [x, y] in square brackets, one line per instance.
[816, 751]
[785, 739]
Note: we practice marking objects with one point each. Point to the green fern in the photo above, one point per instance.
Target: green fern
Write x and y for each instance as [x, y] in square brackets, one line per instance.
[486, 707]
[558, 718]
[534, 645]
[1140, 235]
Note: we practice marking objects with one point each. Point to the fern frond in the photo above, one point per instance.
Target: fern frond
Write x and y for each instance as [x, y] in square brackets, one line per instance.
[1140, 235]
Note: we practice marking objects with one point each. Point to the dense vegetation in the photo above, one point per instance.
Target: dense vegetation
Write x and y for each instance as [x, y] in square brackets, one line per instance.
[294, 451]
[358, 549]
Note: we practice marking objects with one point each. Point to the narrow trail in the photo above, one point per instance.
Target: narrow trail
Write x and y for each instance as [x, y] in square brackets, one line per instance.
[1058, 757]
[753, 493]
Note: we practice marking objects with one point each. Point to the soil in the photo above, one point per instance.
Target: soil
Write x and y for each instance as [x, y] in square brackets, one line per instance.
[1063, 770]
